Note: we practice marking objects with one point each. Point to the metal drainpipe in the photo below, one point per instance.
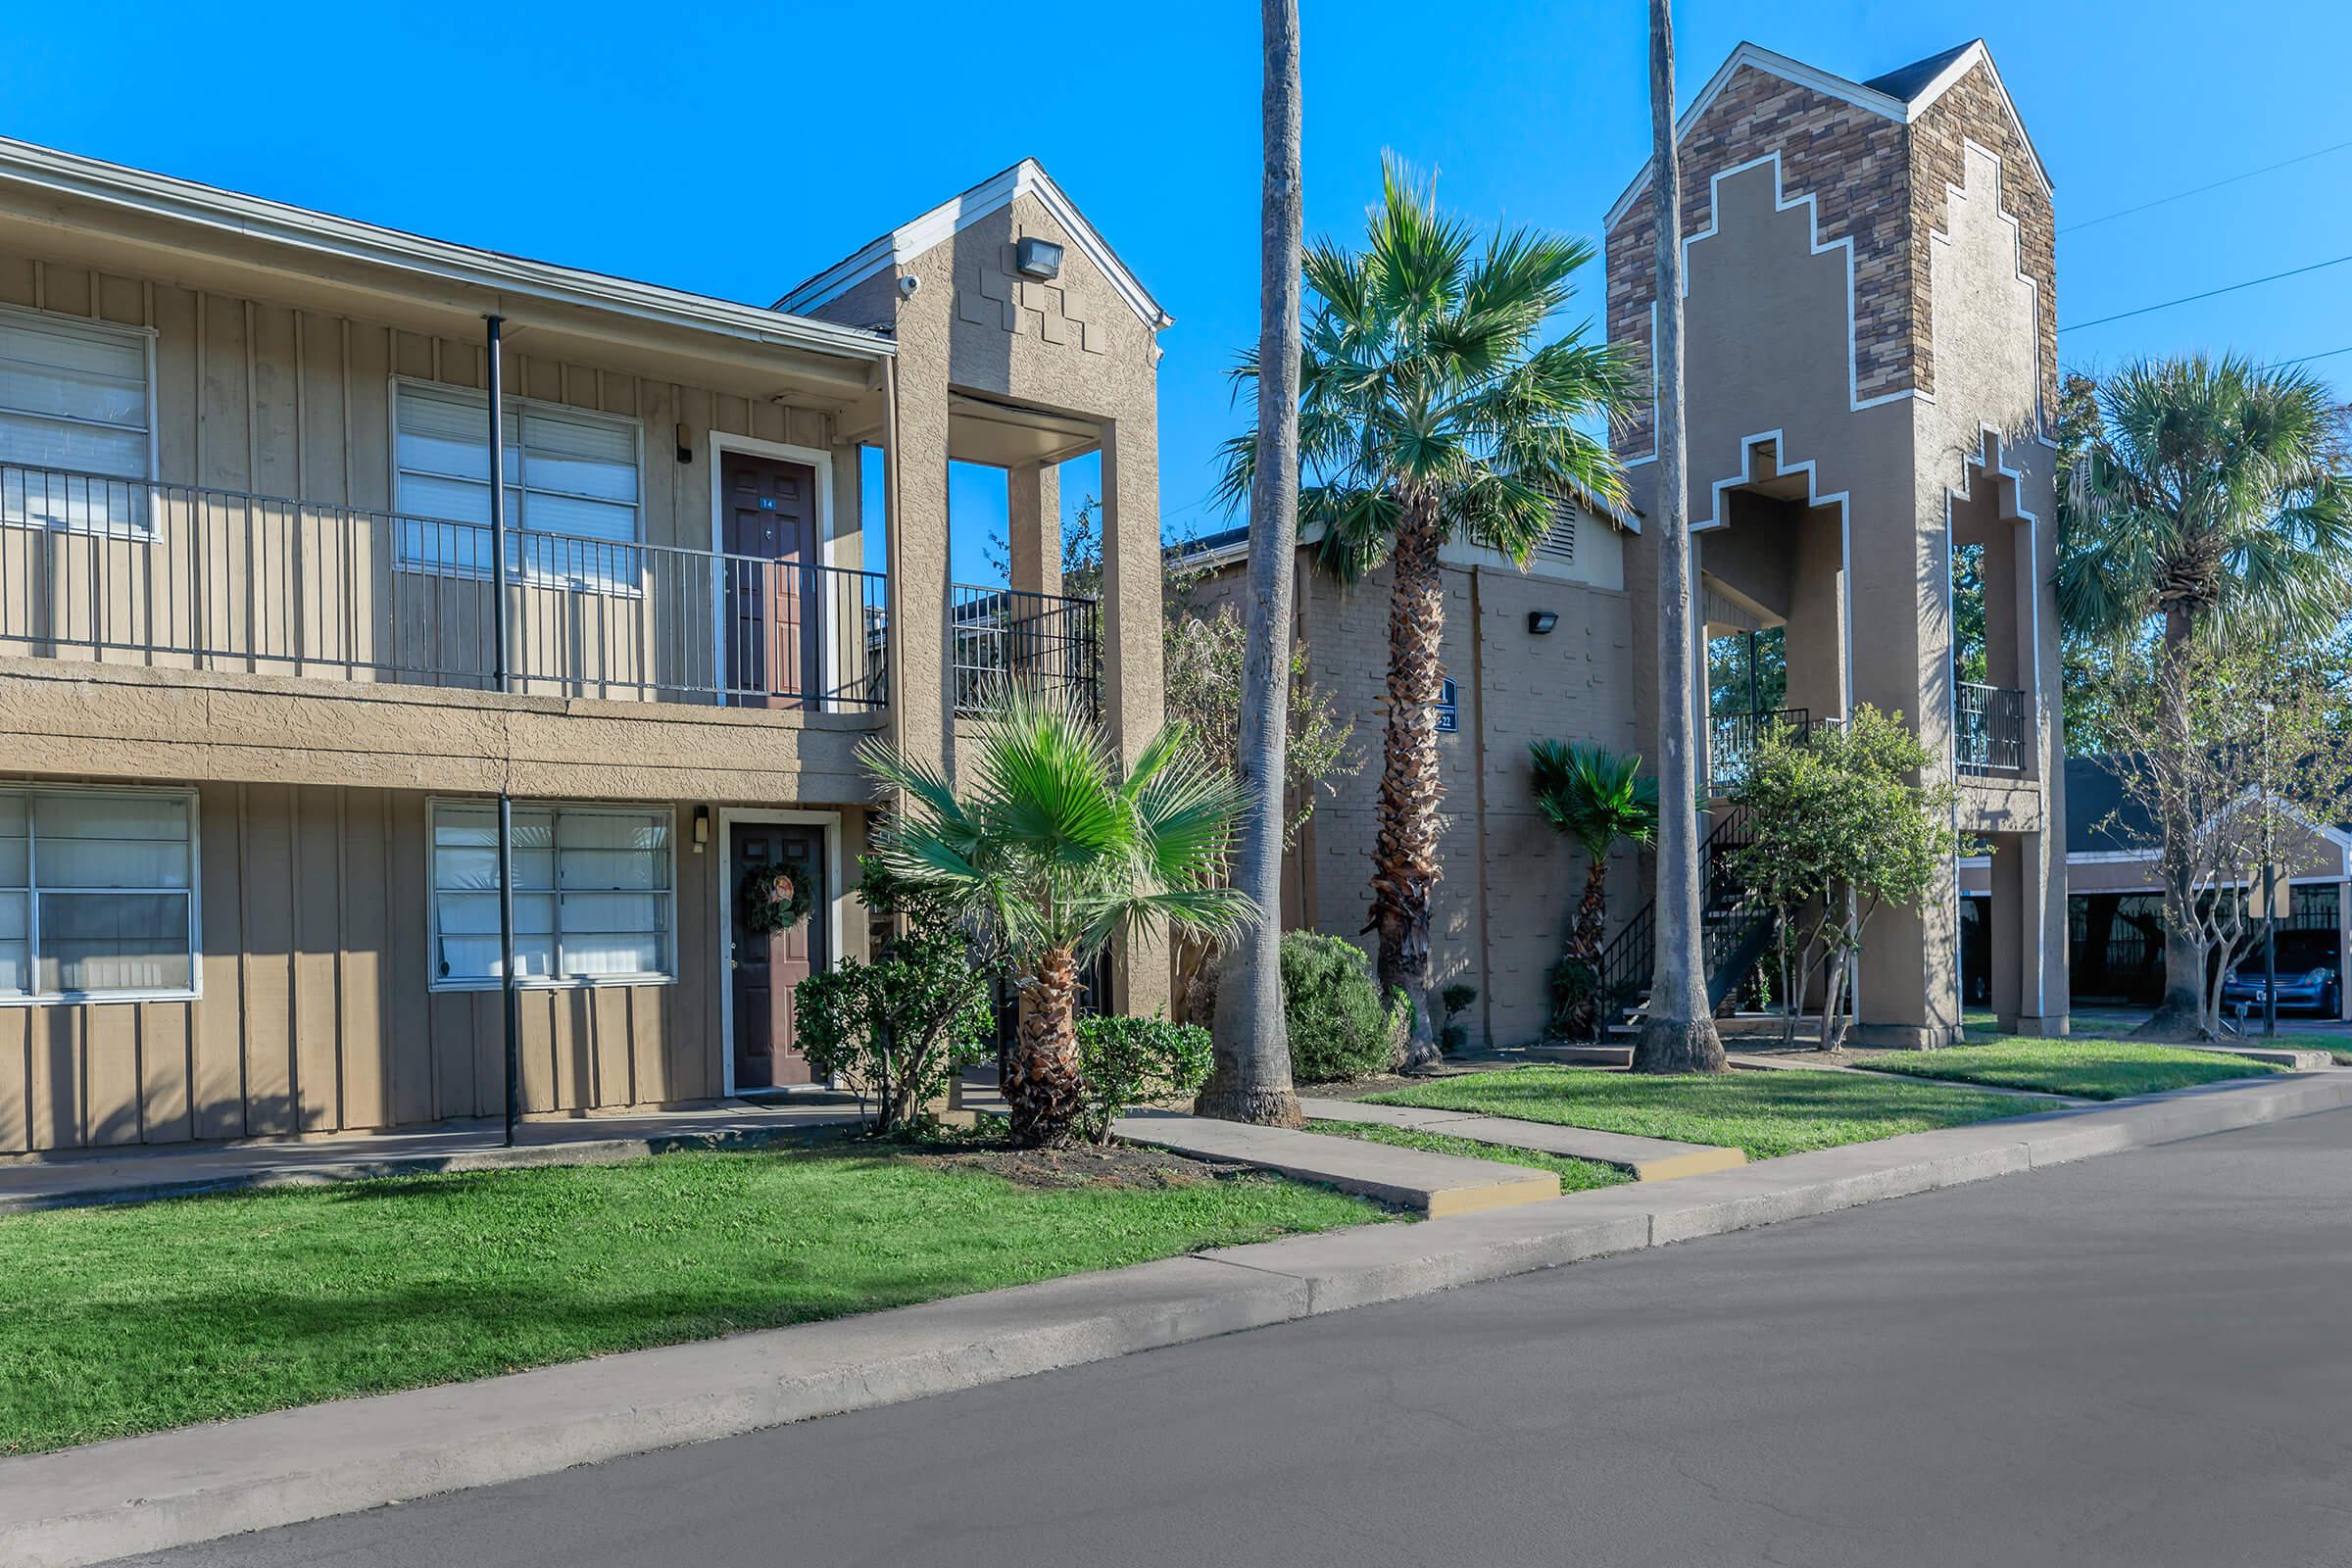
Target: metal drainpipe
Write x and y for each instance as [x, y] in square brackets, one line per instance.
[513, 1010]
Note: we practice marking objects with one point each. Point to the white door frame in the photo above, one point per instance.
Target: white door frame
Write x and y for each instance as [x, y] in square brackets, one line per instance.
[815, 458]
[723, 876]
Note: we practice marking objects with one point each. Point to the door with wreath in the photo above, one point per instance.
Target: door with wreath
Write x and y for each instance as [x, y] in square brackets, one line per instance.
[777, 940]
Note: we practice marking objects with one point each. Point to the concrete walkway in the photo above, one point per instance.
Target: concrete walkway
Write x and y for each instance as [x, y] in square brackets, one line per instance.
[131, 1174]
[110, 1500]
[1438, 1185]
[1650, 1160]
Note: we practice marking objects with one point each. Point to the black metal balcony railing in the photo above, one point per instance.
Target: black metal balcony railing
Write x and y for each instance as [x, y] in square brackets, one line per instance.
[1002, 638]
[1733, 739]
[129, 572]
[1988, 729]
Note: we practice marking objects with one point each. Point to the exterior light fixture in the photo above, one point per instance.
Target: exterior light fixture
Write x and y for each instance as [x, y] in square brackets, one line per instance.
[1540, 621]
[702, 827]
[1036, 257]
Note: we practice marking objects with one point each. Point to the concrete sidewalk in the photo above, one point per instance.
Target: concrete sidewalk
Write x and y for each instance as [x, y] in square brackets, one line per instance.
[89, 1504]
[135, 1173]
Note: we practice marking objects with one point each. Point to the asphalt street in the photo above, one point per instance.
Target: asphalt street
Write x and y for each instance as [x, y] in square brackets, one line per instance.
[2137, 1359]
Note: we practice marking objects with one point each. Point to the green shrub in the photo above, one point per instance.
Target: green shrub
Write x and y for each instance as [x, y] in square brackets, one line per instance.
[1124, 1061]
[893, 1031]
[1337, 1027]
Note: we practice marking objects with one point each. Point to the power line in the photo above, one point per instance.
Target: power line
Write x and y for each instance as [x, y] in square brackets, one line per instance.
[2199, 190]
[2190, 299]
[2324, 354]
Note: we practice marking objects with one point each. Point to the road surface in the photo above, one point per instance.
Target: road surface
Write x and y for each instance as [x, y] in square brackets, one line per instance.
[2141, 1359]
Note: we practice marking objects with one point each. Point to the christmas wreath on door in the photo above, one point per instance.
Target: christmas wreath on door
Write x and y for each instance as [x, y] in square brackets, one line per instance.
[773, 900]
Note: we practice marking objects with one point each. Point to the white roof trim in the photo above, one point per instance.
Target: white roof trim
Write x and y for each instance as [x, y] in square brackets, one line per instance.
[1886, 105]
[45, 169]
[959, 213]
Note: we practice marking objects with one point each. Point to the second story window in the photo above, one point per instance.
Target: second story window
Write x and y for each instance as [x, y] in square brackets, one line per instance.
[76, 423]
[571, 482]
[1449, 708]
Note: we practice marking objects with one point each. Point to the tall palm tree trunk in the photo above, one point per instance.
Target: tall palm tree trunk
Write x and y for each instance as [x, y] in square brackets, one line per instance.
[1677, 1033]
[1251, 1079]
[1404, 852]
[2182, 1014]
[1041, 1078]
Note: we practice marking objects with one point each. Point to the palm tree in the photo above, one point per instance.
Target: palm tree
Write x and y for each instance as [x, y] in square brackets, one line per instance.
[1600, 799]
[1428, 411]
[1251, 1079]
[2211, 497]
[1677, 1028]
[1059, 854]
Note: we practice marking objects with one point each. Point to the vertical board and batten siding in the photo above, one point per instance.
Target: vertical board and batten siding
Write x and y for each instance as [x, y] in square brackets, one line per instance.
[267, 400]
[316, 1014]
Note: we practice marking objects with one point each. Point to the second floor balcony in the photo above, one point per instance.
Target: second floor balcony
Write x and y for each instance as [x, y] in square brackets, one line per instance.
[121, 571]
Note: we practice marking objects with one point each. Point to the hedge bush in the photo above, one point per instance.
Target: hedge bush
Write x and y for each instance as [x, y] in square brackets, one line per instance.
[1127, 1061]
[1337, 1027]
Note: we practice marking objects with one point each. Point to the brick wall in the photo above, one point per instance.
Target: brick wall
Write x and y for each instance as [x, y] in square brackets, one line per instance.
[1854, 164]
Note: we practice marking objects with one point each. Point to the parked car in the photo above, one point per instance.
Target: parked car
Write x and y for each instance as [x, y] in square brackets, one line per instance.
[2314, 989]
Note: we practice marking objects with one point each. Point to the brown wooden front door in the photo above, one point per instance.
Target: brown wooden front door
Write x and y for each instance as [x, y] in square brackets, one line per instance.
[770, 537]
[764, 967]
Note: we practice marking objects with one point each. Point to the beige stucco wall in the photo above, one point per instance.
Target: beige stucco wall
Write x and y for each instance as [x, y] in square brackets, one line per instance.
[1072, 347]
[1871, 375]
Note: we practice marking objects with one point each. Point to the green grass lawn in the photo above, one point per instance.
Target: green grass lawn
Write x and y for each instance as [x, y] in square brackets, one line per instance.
[126, 1320]
[1576, 1175]
[2087, 1067]
[2338, 1047]
[1766, 1113]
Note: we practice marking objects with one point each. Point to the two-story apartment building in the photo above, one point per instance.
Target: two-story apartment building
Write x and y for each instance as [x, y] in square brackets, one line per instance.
[253, 712]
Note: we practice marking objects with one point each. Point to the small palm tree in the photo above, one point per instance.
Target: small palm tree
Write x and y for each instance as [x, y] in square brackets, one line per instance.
[1430, 411]
[2207, 493]
[1059, 854]
[1601, 799]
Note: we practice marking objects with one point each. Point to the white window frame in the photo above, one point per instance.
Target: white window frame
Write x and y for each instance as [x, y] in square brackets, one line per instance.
[436, 981]
[631, 586]
[194, 988]
[139, 528]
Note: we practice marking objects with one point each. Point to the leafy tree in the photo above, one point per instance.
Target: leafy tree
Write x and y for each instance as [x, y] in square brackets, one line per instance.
[1058, 852]
[895, 1030]
[1837, 831]
[2212, 500]
[2271, 758]
[1430, 410]
[1601, 799]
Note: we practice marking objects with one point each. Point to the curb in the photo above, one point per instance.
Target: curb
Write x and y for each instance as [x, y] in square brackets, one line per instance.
[111, 1499]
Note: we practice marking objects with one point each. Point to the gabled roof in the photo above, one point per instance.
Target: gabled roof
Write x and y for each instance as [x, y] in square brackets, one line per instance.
[1232, 544]
[1901, 95]
[959, 213]
[47, 175]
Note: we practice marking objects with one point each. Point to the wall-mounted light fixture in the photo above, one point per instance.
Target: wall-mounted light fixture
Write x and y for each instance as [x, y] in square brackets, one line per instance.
[1540, 621]
[702, 827]
[685, 445]
[1036, 257]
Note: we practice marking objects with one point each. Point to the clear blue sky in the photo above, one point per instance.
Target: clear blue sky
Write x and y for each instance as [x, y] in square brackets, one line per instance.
[733, 149]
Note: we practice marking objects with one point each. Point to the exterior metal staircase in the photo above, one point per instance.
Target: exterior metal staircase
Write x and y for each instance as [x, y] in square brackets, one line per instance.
[1734, 935]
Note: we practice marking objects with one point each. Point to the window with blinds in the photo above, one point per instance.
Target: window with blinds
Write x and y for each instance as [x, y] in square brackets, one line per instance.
[97, 895]
[75, 422]
[572, 488]
[592, 894]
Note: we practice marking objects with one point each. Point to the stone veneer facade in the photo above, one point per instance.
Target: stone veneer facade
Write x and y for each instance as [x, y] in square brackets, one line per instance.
[1874, 182]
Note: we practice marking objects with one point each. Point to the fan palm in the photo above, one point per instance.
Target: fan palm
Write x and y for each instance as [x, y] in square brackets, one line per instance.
[2212, 495]
[1428, 411]
[1059, 854]
[1600, 799]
